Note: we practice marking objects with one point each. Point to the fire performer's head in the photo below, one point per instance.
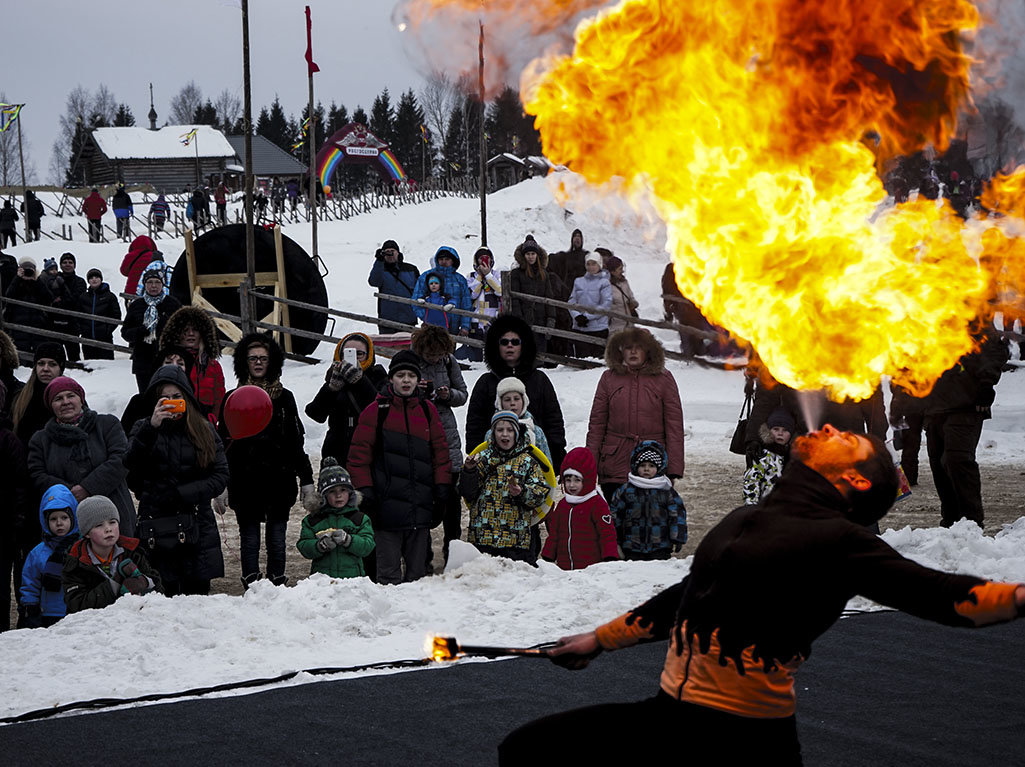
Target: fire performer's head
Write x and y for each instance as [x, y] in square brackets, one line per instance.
[859, 466]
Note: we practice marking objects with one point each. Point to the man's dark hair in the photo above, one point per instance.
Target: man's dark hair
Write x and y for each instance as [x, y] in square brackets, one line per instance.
[869, 506]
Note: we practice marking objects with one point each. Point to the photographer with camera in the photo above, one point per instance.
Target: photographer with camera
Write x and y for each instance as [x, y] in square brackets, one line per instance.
[29, 288]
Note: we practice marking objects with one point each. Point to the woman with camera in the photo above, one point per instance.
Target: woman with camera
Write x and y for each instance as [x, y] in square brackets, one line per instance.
[176, 465]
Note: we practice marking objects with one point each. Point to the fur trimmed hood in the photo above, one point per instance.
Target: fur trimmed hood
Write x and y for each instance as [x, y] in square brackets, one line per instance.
[203, 322]
[240, 364]
[432, 343]
[501, 325]
[8, 352]
[656, 362]
[521, 261]
[365, 364]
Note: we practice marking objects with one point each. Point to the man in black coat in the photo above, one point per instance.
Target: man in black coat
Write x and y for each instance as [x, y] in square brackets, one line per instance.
[954, 412]
[510, 350]
[100, 301]
[29, 288]
[765, 583]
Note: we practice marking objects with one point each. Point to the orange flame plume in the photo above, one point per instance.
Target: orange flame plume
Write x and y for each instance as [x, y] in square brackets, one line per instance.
[746, 124]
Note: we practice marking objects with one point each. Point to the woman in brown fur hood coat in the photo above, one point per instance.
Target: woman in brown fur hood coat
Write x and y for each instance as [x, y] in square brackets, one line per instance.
[531, 276]
[636, 399]
[194, 329]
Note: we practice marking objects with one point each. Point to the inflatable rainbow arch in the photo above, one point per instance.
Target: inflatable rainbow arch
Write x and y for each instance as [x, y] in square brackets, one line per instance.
[329, 161]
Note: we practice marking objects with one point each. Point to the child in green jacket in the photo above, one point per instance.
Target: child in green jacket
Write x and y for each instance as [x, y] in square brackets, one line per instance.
[338, 535]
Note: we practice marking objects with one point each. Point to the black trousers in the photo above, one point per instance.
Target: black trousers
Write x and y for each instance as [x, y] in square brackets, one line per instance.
[912, 446]
[633, 733]
[951, 441]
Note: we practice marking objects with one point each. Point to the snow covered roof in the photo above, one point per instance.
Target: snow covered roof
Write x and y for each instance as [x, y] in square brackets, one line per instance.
[506, 156]
[268, 158]
[166, 143]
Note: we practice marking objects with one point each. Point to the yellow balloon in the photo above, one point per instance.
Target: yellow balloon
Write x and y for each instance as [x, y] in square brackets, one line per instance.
[327, 189]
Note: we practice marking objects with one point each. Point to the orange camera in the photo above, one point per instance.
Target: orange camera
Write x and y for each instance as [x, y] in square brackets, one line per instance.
[174, 405]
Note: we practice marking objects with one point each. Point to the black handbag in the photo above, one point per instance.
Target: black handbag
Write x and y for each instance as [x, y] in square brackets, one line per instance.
[738, 445]
[166, 533]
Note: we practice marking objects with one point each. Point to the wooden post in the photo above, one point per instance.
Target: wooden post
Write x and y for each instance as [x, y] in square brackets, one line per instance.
[190, 263]
[483, 146]
[281, 290]
[506, 292]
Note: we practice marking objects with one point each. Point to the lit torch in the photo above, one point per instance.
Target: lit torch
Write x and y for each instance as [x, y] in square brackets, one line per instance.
[448, 649]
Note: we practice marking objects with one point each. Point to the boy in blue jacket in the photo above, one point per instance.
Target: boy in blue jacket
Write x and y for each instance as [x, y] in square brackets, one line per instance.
[42, 596]
[650, 518]
[444, 264]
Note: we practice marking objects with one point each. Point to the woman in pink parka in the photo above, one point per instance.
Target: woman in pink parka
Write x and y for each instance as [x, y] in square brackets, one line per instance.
[636, 399]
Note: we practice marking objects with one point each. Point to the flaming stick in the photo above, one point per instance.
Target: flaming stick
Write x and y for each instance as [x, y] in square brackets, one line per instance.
[447, 649]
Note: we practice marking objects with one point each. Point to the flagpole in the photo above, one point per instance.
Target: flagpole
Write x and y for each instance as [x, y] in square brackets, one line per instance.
[199, 171]
[24, 187]
[249, 310]
[483, 145]
[313, 137]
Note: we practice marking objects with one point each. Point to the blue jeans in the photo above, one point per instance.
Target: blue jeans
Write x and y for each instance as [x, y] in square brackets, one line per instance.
[249, 538]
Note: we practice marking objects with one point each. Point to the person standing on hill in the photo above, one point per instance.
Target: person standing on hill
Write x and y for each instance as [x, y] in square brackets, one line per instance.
[194, 329]
[445, 264]
[486, 294]
[530, 277]
[159, 212]
[623, 301]
[221, 200]
[591, 290]
[392, 277]
[145, 320]
[33, 210]
[123, 210]
[93, 207]
[99, 301]
[8, 226]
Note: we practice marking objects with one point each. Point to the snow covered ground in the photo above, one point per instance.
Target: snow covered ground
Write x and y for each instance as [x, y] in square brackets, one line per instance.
[167, 645]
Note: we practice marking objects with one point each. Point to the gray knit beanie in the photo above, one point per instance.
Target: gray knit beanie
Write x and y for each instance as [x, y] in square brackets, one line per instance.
[95, 510]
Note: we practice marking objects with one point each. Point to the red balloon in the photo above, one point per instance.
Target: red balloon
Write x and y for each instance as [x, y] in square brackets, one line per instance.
[247, 411]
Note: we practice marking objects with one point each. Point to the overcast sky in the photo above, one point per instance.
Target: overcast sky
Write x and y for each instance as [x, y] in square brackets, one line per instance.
[50, 46]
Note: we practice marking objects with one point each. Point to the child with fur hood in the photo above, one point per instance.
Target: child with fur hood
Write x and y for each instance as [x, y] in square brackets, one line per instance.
[650, 518]
[767, 467]
[42, 596]
[580, 529]
[503, 485]
[194, 329]
[337, 536]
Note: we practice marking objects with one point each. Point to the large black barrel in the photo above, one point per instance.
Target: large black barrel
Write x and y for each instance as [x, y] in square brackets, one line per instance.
[223, 251]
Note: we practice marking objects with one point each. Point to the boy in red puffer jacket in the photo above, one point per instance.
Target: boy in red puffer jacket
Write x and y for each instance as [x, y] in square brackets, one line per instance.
[580, 529]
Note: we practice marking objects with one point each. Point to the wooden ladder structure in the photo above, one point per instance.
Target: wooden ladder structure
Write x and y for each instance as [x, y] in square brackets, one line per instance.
[276, 280]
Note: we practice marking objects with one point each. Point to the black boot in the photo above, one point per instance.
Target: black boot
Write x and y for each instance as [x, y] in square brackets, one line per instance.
[249, 580]
[279, 580]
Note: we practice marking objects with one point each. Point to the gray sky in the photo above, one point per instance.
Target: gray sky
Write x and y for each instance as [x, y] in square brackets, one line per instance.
[50, 46]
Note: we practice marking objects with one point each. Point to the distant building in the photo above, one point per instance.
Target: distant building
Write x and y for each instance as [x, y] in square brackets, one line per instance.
[269, 160]
[157, 157]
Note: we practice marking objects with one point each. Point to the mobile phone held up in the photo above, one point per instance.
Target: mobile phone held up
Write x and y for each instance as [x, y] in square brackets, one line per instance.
[174, 405]
[349, 355]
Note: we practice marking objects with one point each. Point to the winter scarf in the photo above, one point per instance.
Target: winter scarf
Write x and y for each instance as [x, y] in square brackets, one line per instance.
[74, 434]
[575, 499]
[273, 388]
[659, 482]
[149, 319]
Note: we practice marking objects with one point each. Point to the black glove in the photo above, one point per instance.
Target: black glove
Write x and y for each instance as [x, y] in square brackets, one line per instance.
[581, 320]
[753, 449]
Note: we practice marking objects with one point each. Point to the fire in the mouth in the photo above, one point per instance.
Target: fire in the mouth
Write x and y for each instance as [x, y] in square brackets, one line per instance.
[745, 123]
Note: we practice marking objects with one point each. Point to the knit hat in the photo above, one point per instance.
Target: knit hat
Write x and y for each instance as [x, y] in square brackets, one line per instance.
[95, 510]
[593, 256]
[27, 262]
[60, 384]
[94, 272]
[433, 278]
[649, 450]
[332, 475]
[51, 351]
[581, 461]
[391, 245]
[510, 384]
[530, 244]
[404, 360]
[507, 415]
[781, 417]
[156, 269]
[68, 257]
[49, 263]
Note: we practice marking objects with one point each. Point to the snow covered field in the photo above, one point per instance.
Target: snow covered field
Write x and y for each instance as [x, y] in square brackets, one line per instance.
[151, 644]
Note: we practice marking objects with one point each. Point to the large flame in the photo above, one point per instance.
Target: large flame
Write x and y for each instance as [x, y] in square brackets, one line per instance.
[755, 128]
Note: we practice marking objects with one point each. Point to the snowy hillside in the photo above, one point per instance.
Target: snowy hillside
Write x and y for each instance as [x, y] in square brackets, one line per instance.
[187, 642]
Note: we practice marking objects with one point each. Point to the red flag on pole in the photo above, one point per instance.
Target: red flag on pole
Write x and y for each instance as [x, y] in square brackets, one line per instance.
[309, 43]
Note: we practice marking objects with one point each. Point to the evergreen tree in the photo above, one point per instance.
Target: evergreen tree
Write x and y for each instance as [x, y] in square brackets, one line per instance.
[337, 118]
[382, 118]
[275, 127]
[205, 114]
[455, 139]
[321, 130]
[124, 117]
[408, 142]
[262, 122]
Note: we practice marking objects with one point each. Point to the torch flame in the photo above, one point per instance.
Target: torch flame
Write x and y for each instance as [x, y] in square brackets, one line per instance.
[442, 648]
